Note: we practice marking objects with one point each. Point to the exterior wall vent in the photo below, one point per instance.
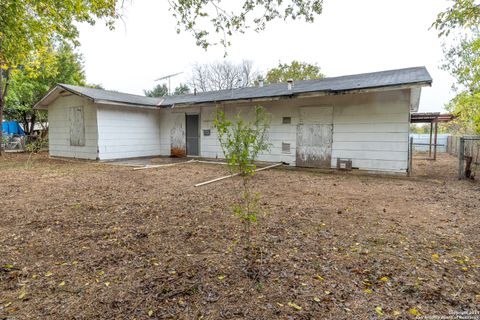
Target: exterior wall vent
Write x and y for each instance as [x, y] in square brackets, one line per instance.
[287, 120]
[285, 147]
[344, 164]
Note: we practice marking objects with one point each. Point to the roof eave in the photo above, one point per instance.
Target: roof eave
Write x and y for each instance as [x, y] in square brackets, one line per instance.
[125, 104]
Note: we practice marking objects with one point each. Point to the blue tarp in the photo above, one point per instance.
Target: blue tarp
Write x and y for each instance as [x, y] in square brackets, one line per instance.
[12, 127]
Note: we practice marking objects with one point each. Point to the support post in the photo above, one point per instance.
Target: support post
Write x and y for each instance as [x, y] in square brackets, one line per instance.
[461, 153]
[430, 144]
[410, 158]
[435, 142]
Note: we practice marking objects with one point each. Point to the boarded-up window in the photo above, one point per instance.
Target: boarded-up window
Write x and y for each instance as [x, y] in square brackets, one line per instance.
[287, 120]
[77, 126]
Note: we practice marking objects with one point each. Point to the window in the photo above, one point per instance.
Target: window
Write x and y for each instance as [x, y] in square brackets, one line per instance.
[285, 147]
[287, 120]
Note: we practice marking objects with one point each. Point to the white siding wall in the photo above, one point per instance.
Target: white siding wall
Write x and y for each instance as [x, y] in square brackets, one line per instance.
[59, 128]
[128, 132]
[371, 128]
[373, 131]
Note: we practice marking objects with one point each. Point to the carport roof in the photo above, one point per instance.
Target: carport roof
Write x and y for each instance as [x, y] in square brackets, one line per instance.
[409, 77]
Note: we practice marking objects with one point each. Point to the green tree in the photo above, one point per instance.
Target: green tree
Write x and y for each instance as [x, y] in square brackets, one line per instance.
[182, 89]
[462, 60]
[159, 90]
[223, 18]
[241, 142]
[295, 70]
[63, 65]
[27, 28]
[463, 14]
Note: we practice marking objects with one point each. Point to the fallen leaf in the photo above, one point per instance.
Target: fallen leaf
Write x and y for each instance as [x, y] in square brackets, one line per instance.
[22, 295]
[414, 312]
[316, 299]
[396, 313]
[319, 277]
[221, 277]
[369, 291]
[8, 304]
[48, 274]
[379, 311]
[384, 279]
[61, 284]
[435, 256]
[294, 306]
[107, 283]
[150, 313]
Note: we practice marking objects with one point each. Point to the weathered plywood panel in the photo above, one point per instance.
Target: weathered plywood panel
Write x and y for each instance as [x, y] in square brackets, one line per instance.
[178, 139]
[77, 126]
[314, 145]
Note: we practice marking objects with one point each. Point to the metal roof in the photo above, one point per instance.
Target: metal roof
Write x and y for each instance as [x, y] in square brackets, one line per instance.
[429, 117]
[417, 76]
[333, 85]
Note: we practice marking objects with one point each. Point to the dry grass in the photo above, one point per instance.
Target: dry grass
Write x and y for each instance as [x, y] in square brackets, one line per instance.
[83, 240]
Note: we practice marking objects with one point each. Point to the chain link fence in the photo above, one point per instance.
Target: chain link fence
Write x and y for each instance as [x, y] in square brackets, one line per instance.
[467, 149]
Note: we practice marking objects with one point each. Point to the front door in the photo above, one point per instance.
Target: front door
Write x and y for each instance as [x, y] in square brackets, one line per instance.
[193, 134]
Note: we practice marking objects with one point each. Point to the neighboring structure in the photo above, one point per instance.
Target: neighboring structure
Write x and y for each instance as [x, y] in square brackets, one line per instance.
[361, 118]
[434, 118]
[421, 142]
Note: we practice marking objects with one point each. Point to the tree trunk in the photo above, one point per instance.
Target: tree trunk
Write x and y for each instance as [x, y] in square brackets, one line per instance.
[1, 118]
[3, 95]
[1, 111]
[31, 128]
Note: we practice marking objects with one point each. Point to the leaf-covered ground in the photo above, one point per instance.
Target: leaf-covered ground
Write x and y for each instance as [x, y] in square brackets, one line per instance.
[83, 240]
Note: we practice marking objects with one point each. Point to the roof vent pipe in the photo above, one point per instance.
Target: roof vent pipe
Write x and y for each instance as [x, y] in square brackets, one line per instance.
[260, 83]
[290, 84]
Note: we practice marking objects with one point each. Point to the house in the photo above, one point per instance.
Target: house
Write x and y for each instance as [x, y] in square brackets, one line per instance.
[361, 118]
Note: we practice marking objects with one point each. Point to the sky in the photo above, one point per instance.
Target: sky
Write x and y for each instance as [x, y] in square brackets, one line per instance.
[349, 37]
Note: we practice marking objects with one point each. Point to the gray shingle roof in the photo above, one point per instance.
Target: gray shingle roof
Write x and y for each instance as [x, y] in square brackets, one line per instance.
[112, 96]
[409, 76]
[333, 85]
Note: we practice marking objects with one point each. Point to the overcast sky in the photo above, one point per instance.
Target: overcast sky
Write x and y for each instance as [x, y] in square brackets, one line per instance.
[350, 37]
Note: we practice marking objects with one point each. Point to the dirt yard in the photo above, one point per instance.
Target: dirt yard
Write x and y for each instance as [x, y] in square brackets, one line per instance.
[85, 240]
